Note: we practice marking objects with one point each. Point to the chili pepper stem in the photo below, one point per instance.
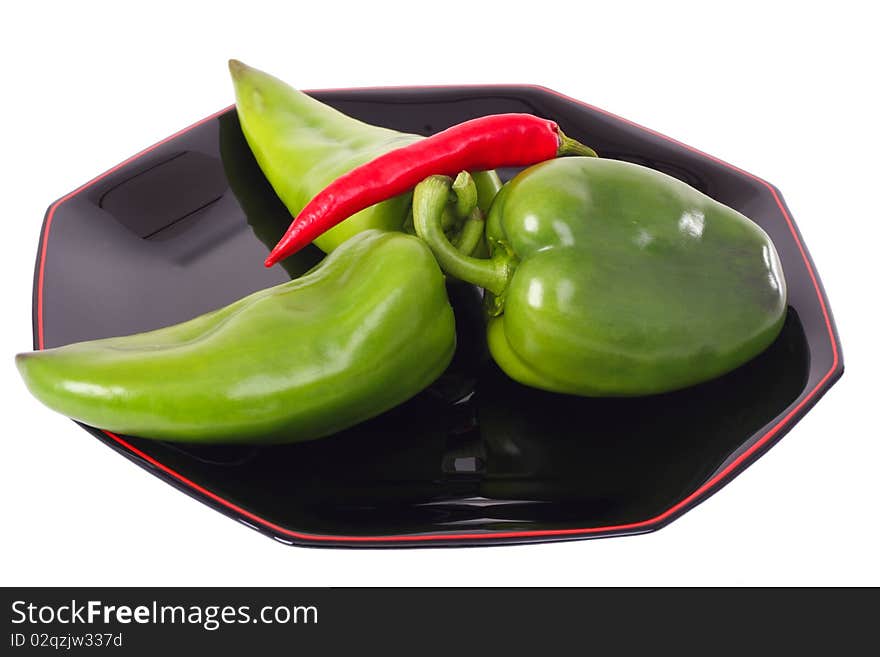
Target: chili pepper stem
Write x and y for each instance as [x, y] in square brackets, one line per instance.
[569, 146]
[429, 200]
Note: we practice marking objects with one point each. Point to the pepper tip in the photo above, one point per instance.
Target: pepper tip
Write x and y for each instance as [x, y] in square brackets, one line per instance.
[21, 361]
[236, 67]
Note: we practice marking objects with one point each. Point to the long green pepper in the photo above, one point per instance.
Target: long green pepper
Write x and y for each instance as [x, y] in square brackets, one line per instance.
[303, 145]
[367, 329]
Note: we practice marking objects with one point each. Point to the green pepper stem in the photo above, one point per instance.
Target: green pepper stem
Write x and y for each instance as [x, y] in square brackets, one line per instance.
[449, 219]
[465, 190]
[569, 146]
[469, 237]
[429, 200]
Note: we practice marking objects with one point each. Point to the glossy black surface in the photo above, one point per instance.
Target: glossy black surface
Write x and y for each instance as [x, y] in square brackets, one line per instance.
[183, 229]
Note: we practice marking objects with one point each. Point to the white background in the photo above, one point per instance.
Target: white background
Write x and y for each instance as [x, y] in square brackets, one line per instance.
[784, 93]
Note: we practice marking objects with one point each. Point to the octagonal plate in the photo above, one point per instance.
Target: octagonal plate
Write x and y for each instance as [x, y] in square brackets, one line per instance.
[182, 228]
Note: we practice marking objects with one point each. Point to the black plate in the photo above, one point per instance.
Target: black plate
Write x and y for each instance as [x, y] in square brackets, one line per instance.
[182, 228]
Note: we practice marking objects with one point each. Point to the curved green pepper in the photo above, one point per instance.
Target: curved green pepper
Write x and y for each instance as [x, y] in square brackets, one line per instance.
[263, 210]
[302, 145]
[608, 278]
[364, 331]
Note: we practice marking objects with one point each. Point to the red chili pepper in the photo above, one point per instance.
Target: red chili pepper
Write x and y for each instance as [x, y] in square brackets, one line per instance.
[481, 144]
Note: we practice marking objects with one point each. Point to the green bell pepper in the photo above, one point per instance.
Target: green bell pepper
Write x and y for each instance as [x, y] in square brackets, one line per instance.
[303, 145]
[611, 279]
[364, 331]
